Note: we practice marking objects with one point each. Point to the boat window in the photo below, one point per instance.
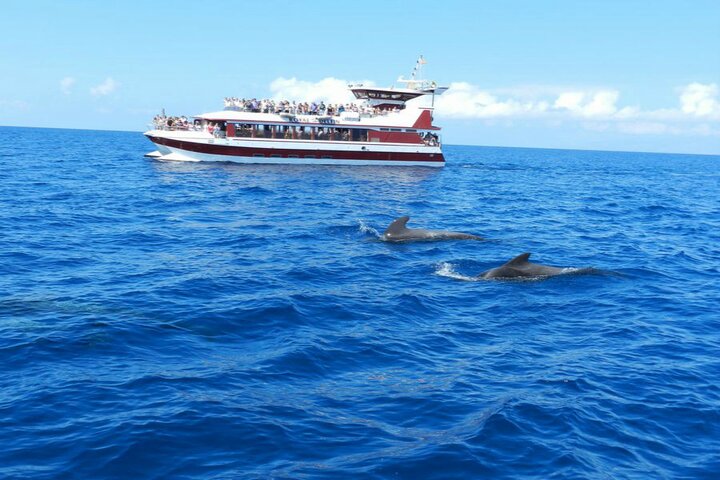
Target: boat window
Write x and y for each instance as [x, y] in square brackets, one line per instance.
[304, 133]
[359, 135]
[326, 156]
[293, 156]
[342, 134]
[243, 130]
[275, 155]
[258, 155]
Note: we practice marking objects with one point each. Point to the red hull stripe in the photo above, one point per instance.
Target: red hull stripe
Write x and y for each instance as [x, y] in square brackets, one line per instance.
[237, 151]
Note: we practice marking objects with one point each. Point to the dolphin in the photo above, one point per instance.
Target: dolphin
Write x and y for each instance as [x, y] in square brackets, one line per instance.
[520, 267]
[398, 232]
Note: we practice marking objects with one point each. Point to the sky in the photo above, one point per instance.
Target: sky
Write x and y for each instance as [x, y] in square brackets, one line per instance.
[601, 75]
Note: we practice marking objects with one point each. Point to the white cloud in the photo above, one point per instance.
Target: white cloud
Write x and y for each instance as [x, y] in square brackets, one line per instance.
[598, 108]
[331, 90]
[105, 88]
[464, 100]
[66, 85]
[700, 100]
[570, 101]
[588, 104]
[602, 103]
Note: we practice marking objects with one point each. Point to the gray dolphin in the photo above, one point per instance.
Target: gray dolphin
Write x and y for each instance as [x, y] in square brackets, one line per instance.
[398, 232]
[520, 267]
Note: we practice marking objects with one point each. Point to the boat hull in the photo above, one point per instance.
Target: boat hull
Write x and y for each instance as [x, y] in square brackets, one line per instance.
[196, 147]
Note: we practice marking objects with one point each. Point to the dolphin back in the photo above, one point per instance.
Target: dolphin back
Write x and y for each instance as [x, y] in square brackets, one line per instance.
[520, 266]
[397, 227]
[398, 232]
[520, 260]
[448, 235]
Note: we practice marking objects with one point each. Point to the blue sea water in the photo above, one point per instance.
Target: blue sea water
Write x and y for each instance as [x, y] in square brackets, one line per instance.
[174, 320]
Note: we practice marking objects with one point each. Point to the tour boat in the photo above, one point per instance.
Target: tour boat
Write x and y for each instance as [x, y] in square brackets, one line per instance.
[388, 126]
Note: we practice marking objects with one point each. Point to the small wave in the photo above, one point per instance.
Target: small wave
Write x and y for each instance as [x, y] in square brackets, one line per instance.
[446, 269]
[256, 189]
[367, 229]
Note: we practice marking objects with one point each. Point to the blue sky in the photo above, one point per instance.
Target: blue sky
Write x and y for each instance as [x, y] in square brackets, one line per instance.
[609, 75]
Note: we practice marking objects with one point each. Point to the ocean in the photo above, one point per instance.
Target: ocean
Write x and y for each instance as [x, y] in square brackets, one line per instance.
[219, 321]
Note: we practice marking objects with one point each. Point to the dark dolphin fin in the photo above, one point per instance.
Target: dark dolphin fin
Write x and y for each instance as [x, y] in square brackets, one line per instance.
[521, 259]
[397, 226]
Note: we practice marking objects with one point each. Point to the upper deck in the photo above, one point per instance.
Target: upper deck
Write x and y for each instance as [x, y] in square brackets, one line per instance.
[402, 115]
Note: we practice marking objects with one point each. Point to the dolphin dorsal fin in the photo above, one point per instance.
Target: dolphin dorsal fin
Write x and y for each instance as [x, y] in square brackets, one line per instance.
[398, 225]
[519, 260]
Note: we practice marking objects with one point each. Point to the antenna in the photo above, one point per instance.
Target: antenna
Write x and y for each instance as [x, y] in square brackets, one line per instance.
[418, 67]
[416, 82]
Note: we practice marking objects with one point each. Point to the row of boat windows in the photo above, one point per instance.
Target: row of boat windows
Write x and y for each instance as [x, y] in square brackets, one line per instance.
[277, 155]
[385, 95]
[301, 133]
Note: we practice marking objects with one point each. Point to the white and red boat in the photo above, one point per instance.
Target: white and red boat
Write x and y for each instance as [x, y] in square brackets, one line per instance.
[388, 126]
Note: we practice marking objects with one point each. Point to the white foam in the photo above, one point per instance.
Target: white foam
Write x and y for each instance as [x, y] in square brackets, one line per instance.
[367, 229]
[446, 269]
[575, 270]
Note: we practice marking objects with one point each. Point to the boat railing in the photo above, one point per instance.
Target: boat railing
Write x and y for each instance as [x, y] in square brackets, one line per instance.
[177, 127]
[358, 112]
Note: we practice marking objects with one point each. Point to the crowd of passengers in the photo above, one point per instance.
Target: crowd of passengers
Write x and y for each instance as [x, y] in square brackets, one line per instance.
[302, 108]
[175, 123]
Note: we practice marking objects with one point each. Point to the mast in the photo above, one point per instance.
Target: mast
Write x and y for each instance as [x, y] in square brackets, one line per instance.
[418, 67]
